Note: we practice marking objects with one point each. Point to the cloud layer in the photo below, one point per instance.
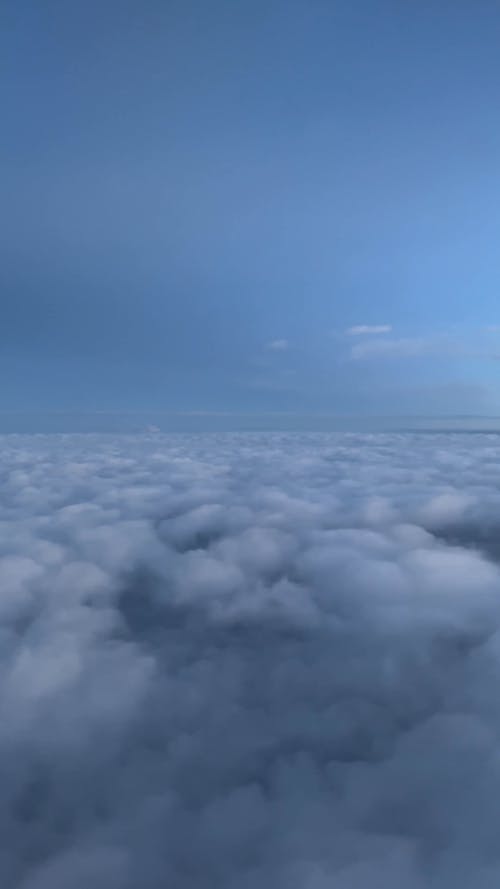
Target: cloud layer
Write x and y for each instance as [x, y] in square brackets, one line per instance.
[261, 661]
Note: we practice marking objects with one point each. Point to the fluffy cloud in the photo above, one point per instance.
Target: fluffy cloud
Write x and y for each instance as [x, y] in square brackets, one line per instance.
[255, 661]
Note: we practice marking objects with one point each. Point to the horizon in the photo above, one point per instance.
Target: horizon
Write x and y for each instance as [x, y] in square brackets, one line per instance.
[250, 444]
[206, 422]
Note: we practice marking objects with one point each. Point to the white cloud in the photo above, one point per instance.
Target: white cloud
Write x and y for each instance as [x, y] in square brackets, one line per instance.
[249, 660]
[368, 329]
[280, 345]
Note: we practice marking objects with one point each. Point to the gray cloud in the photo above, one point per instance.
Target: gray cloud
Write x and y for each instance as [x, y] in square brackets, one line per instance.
[249, 660]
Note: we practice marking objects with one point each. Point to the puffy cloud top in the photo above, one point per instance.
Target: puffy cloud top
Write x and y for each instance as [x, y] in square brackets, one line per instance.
[249, 661]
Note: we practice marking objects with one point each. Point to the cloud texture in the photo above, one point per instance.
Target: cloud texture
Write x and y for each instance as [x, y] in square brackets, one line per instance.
[261, 661]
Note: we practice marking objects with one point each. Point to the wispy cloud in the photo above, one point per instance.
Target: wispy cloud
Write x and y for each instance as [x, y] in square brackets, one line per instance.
[404, 347]
[368, 329]
[279, 345]
[449, 345]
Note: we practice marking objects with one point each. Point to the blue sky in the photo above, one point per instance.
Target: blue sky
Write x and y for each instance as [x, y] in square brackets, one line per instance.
[202, 200]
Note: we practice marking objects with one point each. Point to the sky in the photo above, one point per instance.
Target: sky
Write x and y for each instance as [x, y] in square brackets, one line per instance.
[262, 208]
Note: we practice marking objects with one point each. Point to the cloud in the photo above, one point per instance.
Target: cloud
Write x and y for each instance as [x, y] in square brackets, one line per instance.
[368, 329]
[445, 345]
[249, 660]
[406, 347]
[278, 345]
[452, 343]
